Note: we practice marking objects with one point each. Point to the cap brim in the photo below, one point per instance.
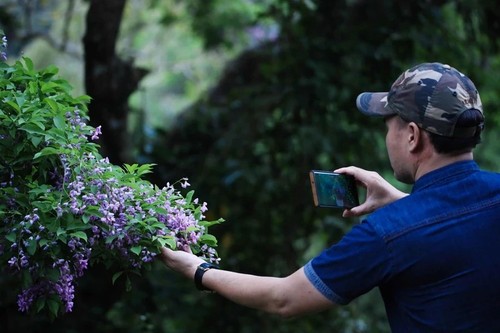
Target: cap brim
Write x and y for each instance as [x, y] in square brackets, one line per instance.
[373, 104]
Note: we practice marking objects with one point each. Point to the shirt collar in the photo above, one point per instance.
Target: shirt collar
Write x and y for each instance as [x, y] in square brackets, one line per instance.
[444, 173]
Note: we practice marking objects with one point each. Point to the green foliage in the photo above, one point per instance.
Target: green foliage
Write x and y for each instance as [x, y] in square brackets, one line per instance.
[219, 22]
[64, 208]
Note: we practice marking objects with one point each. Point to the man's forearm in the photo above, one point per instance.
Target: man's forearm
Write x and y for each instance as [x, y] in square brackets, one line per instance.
[289, 296]
[263, 293]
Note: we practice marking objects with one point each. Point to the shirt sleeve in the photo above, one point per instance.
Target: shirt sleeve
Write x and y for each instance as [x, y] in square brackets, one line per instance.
[352, 267]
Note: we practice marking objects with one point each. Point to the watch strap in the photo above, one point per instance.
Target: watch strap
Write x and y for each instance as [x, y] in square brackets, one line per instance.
[198, 275]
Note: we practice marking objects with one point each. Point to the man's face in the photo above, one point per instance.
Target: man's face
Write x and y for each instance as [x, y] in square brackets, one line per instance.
[397, 149]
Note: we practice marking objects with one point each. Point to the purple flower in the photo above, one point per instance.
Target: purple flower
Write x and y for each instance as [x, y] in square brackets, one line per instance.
[96, 133]
[13, 263]
[3, 55]
[64, 286]
[26, 298]
[185, 184]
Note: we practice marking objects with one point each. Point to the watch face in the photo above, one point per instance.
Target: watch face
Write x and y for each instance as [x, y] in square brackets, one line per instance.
[207, 265]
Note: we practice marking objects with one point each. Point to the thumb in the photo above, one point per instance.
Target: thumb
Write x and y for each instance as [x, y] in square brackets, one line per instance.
[165, 252]
[355, 211]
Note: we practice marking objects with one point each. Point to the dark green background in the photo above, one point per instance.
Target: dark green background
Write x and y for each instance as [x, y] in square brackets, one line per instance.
[279, 110]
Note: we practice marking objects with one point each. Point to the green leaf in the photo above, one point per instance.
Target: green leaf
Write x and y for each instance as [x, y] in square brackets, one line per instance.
[53, 105]
[33, 87]
[116, 276]
[53, 306]
[20, 100]
[189, 196]
[33, 128]
[128, 177]
[13, 105]
[53, 224]
[161, 210]
[46, 151]
[39, 304]
[32, 246]
[192, 228]
[110, 239]
[84, 99]
[136, 249]
[78, 226]
[51, 70]
[210, 240]
[79, 234]
[130, 168]
[11, 237]
[35, 140]
[40, 189]
[211, 223]
[53, 274]
[29, 64]
[56, 134]
[170, 241]
[144, 169]
[38, 123]
[60, 122]
[50, 87]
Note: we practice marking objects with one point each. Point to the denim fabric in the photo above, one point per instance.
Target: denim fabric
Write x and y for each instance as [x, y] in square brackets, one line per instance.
[435, 255]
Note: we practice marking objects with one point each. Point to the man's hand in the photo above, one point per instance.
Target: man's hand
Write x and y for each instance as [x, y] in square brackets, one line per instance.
[378, 191]
[183, 262]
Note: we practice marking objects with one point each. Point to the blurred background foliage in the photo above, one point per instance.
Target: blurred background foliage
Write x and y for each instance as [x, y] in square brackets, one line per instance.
[244, 97]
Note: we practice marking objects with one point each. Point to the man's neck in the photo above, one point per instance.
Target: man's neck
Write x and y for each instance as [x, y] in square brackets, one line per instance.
[437, 161]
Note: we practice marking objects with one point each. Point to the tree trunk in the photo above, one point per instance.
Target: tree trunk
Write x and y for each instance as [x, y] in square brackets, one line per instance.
[109, 80]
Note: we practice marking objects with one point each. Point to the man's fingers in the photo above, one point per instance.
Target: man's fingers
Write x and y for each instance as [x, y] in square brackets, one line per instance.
[350, 212]
[187, 248]
[348, 170]
[165, 251]
[361, 175]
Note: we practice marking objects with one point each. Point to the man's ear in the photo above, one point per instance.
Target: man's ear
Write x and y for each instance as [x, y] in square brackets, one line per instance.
[415, 137]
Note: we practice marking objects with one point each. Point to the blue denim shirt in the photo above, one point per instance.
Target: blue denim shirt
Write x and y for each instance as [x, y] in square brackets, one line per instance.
[435, 255]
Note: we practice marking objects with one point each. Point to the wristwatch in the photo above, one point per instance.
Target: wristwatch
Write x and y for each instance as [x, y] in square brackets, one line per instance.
[198, 275]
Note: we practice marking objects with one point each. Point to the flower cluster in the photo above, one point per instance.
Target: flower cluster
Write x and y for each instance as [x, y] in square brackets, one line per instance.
[64, 207]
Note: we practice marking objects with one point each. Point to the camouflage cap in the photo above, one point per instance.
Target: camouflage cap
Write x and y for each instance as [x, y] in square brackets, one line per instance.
[432, 95]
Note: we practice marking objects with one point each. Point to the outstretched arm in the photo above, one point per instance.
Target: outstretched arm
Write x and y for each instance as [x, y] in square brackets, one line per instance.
[288, 297]
[378, 191]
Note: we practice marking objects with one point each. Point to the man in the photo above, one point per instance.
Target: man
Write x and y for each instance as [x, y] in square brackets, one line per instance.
[434, 254]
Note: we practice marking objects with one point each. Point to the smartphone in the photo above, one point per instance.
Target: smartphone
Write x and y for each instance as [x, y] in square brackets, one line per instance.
[334, 190]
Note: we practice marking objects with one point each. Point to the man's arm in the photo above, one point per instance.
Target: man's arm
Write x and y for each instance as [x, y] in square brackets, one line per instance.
[287, 297]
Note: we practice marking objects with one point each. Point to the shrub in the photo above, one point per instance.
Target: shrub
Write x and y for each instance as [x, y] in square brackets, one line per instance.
[64, 207]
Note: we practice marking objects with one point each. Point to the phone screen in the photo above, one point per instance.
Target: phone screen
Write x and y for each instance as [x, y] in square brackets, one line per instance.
[333, 189]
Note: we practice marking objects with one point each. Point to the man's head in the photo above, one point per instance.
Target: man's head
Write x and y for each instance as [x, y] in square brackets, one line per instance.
[436, 98]
[432, 95]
